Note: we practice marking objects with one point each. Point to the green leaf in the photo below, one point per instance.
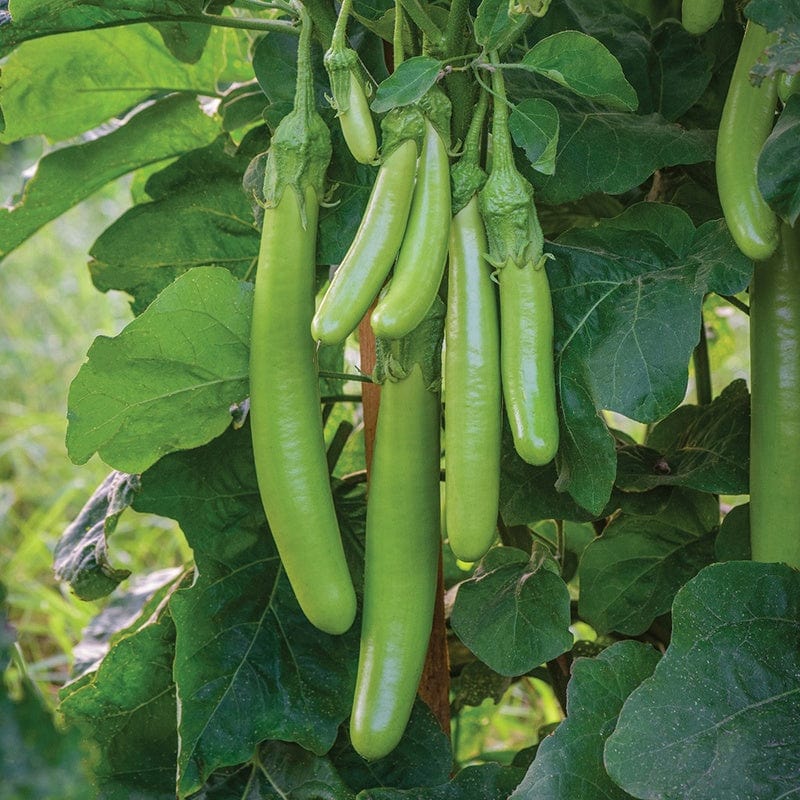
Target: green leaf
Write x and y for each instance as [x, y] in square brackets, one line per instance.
[81, 554]
[242, 640]
[125, 612]
[127, 710]
[167, 382]
[65, 177]
[630, 574]
[583, 65]
[484, 781]
[527, 603]
[275, 67]
[627, 297]
[62, 89]
[281, 770]
[528, 493]
[569, 764]
[533, 125]
[700, 447]
[783, 18]
[719, 716]
[733, 539]
[667, 67]
[406, 84]
[607, 151]
[719, 263]
[32, 19]
[422, 758]
[778, 167]
[210, 223]
[493, 23]
[679, 70]
[185, 40]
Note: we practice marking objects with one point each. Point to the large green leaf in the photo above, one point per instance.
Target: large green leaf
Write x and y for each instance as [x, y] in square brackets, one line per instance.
[32, 19]
[627, 297]
[720, 716]
[782, 17]
[527, 604]
[630, 574]
[569, 764]
[584, 66]
[61, 88]
[666, 66]
[209, 223]
[248, 665]
[484, 781]
[81, 554]
[127, 610]
[69, 175]
[168, 381]
[127, 710]
[528, 493]
[607, 151]
[700, 447]
[494, 22]
[778, 165]
[280, 771]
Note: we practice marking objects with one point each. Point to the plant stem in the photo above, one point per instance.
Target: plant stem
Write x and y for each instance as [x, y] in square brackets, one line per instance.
[272, 5]
[419, 16]
[472, 142]
[397, 35]
[338, 39]
[561, 544]
[340, 398]
[456, 33]
[459, 85]
[702, 369]
[324, 19]
[345, 376]
[242, 23]
[304, 99]
[502, 151]
[737, 303]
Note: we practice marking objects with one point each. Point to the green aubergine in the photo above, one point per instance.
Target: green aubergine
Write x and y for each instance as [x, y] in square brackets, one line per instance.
[421, 261]
[286, 419]
[473, 407]
[516, 251]
[350, 101]
[285, 414]
[369, 259]
[698, 16]
[775, 403]
[747, 119]
[402, 554]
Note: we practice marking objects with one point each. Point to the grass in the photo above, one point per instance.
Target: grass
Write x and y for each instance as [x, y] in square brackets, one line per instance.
[51, 314]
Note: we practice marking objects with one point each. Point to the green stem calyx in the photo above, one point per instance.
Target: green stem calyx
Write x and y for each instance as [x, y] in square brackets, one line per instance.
[300, 149]
[395, 358]
[506, 201]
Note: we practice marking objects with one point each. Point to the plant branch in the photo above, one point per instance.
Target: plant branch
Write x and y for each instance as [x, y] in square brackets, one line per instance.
[736, 303]
[702, 369]
[420, 17]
